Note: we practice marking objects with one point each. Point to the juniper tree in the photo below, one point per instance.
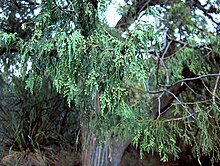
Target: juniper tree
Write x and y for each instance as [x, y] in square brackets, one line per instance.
[152, 85]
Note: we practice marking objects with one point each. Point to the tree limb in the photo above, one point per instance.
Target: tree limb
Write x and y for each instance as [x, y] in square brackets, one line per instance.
[134, 11]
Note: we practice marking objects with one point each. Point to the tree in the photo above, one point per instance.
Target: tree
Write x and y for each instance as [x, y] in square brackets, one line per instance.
[153, 85]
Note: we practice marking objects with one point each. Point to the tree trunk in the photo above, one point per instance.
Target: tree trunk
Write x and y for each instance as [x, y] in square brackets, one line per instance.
[109, 153]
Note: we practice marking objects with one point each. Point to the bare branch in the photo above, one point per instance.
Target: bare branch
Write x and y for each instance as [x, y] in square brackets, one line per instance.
[167, 98]
[195, 78]
[147, 85]
[194, 91]
[166, 71]
[179, 102]
[159, 111]
[190, 45]
[164, 102]
[206, 87]
[215, 88]
[180, 118]
[167, 47]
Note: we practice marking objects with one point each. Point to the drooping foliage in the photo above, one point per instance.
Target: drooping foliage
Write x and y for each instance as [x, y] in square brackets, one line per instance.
[156, 89]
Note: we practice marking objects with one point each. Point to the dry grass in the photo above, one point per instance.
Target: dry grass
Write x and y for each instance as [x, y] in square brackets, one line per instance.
[23, 159]
[63, 158]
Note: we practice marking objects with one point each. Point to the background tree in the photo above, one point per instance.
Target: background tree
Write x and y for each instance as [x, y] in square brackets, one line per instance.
[155, 85]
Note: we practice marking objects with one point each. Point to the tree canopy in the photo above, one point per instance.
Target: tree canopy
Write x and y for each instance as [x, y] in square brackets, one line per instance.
[153, 82]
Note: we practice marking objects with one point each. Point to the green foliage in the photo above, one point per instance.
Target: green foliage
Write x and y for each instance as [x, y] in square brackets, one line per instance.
[87, 60]
[7, 39]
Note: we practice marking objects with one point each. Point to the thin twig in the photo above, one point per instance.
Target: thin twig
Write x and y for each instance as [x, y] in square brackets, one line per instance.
[143, 7]
[178, 100]
[190, 45]
[166, 110]
[194, 103]
[175, 97]
[215, 88]
[175, 52]
[166, 71]
[193, 90]
[180, 118]
[147, 85]
[194, 78]
[165, 51]
[159, 113]
[209, 90]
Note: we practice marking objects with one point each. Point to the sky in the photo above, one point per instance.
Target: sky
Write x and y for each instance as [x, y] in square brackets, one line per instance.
[111, 14]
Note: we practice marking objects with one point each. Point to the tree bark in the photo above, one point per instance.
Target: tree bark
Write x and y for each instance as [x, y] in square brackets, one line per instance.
[108, 153]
